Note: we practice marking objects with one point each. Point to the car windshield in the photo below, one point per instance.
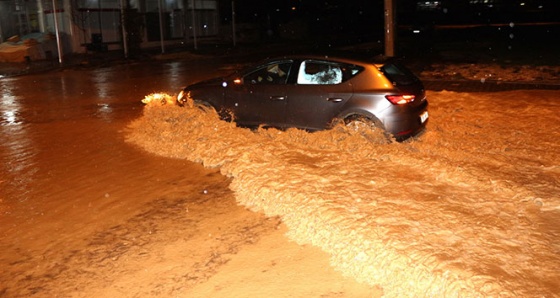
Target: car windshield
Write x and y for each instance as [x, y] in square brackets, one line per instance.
[398, 74]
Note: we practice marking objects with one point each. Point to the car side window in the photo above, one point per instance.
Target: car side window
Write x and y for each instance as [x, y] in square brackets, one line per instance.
[319, 73]
[398, 74]
[325, 73]
[271, 74]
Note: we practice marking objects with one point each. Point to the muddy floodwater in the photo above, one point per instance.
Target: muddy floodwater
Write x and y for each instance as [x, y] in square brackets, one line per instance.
[83, 213]
[470, 209]
[103, 196]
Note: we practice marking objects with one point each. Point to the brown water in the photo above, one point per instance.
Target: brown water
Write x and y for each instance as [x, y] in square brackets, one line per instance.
[101, 195]
[66, 171]
[470, 209]
[85, 214]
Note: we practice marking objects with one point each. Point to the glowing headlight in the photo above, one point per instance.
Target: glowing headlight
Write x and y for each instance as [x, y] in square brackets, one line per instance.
[181, 98]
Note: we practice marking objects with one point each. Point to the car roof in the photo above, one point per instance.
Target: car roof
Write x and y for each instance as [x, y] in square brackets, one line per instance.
[344, 57]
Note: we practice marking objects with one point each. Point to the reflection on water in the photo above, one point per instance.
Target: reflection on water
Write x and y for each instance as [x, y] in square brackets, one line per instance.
[458, 213]
[17, 160]
[9, 117]
[100, 79]
[66, 172]
[104, 112]
[17, 150]
[41, 115]
[46, 118]
[9, 106]
[176, 77]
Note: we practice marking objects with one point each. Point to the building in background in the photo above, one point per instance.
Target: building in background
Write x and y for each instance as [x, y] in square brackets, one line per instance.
[100, 24]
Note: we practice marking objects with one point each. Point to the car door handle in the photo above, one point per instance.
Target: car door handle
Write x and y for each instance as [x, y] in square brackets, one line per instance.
[277, 98]
[334, 99]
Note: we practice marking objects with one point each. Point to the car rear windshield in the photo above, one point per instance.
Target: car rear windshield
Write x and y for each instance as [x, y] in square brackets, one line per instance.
[398, 74]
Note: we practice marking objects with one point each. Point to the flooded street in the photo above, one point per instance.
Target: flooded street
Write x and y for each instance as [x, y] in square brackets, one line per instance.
[85, 214]
[103, 196]
[470, 209]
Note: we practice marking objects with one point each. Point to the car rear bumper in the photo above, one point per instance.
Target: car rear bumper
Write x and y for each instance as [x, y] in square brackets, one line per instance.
[407, 122]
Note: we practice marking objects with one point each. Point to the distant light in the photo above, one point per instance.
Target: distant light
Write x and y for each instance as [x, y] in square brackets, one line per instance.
[224, 84]
[293, 8]
[416, 31]
[522, 3]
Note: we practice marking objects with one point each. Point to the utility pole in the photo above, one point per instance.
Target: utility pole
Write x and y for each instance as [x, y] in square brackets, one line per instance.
[194, 25]
[161, 27]
[58, 45]
[233, 23]
[124, 7]
[389, 28]
[1, 34]
[99, 20]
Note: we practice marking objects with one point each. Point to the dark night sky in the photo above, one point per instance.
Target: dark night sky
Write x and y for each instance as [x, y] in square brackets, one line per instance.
[364, 19]
[359, 11]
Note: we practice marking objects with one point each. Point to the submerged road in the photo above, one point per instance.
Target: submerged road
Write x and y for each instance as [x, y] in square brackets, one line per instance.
[84, 214]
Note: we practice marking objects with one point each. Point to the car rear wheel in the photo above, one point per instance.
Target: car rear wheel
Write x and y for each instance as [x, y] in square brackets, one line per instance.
[368, 128]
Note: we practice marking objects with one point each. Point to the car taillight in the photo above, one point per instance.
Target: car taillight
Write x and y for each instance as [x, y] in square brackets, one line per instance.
[400, 99]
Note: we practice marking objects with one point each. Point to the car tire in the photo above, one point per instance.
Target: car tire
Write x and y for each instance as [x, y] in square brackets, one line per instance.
[203, 105]
[369, 128]
[207, 107]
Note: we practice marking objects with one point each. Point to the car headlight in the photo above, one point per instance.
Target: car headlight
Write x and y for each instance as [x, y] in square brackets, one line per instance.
[181, 98]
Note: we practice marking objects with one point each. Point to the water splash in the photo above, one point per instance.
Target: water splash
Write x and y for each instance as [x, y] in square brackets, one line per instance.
[440, 216]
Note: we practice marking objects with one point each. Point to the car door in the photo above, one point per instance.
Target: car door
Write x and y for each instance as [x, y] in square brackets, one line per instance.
[318, 95]
[259, 97]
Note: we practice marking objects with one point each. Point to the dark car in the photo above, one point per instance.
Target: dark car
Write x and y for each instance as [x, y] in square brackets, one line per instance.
[317, 92]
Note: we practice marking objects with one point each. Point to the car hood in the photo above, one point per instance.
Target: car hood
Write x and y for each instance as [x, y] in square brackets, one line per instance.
[205, 83]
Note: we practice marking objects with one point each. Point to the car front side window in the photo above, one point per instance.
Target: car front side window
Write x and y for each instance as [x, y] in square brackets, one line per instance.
[271, 74]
